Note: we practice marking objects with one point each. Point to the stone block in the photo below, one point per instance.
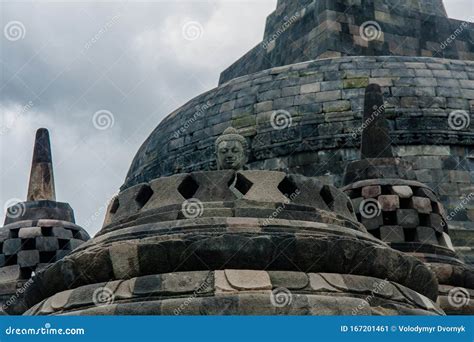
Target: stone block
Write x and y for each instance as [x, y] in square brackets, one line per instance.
[402, 191]
[320, 284]
[337, 106]
[124, 258]
[29, 232]
[165, 191]
[310, 88]
[62, 233]
[47, 243]
[426, 235]
[371, 191]
[29, 258]
[408, 218]
[189, 282]
[214, 186]
[389, 202]
[147, 285]
[10, 273]
[392, 234]
[372, 223]
[11, 246]
[288, 280]
[263, 186]
[421, 204]
[248, 280]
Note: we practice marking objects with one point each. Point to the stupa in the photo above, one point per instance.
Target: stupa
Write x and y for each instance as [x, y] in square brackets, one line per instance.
[403, 212]
[37, 232]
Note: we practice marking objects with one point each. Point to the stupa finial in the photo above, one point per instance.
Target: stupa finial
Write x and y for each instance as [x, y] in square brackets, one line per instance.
[41, 186]
[376, 142]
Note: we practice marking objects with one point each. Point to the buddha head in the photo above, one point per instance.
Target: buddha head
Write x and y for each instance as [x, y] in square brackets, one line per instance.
[231, 150]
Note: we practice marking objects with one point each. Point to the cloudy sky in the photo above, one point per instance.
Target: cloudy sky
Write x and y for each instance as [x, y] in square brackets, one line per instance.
[132, 63]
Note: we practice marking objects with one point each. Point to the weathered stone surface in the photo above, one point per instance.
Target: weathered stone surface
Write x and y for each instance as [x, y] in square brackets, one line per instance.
[248, 280]
[389, 202]
[124, 259]
[421, 204]
[264, 186]
[46, 243]
[289, 280]
[408, 218]
[392, 234]
[426, 235]
[11, 246]
[402, 191]
[29, 232]
[28, 258]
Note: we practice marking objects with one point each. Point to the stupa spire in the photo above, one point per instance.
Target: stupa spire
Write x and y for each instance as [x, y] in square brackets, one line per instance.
[41, 186]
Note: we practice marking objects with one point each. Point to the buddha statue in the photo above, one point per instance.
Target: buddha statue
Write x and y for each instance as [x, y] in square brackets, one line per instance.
[231, 150]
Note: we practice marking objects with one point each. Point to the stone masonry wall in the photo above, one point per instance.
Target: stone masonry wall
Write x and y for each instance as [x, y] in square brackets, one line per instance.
[307, 30]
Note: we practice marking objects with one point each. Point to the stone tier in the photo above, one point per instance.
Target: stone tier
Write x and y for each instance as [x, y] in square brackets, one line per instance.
[305, 30]
[240, 292]
[26, 248]
[247, 221]
[410, 218]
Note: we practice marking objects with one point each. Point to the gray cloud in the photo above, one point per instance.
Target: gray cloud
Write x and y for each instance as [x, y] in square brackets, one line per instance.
[131, 59]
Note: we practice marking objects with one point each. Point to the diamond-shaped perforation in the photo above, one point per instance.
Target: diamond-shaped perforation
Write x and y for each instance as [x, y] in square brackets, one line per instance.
[327, 196]
[242, 184]
[188, 187]
[288, 188]
[115, 205]
[144, 195]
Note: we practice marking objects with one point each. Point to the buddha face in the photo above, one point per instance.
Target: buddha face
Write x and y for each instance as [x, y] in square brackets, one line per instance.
[230, 155]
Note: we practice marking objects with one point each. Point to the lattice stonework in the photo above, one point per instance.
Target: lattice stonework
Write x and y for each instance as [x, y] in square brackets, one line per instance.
[401, 213]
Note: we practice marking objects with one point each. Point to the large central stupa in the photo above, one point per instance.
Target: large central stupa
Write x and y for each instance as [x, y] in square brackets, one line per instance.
[298, 98]
[231, 205]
